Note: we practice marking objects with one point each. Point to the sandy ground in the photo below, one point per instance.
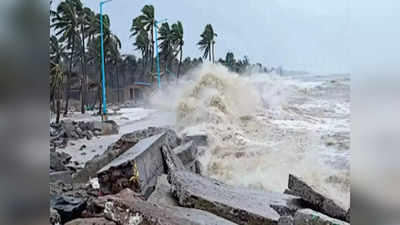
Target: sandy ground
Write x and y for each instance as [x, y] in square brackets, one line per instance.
[129, 119]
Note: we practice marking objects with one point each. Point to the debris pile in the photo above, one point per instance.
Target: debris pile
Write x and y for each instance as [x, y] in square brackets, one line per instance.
[152, 176]
[61, 133]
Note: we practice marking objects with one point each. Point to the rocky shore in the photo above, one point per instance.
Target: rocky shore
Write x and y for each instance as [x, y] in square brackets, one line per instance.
[153, 176]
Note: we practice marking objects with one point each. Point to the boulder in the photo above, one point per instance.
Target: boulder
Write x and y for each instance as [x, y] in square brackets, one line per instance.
[69, 208]
[186, 152]
[127, 208]
[110, 127]
[91, 221]
[311, 217]
[237, 204]
[94, 126]
[58, 160]
[316, 198]
[137, 168]
[68, 127]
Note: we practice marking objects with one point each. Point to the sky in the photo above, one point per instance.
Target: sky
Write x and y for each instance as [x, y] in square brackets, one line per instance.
[312, 35]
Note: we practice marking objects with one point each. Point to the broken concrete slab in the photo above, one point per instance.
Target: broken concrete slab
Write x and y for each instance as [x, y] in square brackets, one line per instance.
[195, 167]
[198, 139]
[91, 221]
[186, 152]
[127, 208]
[311, 217]
[137, 168]
[316, 197]
[64, 176]
[171, 160]
[116, 149]
[237, 204]
[162, 194]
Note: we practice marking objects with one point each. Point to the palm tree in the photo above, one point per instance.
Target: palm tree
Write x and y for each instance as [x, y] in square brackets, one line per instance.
[56, 85]
[142, 44]
[65, 22]
[166, 46]
[145, 21]
[207, 42]
[177, 39]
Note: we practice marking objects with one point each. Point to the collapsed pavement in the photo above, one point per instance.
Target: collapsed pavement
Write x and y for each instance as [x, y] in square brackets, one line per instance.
[133, 188]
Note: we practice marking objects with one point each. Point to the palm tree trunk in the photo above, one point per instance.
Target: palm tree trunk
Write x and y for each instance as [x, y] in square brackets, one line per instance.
[69, 77]
[180, 62]
[84, 83]
[58, 109]
[209, 53]
[116, 68]
[152, 49]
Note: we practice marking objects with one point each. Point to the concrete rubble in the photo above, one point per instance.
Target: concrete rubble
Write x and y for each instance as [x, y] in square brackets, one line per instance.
[317, 198]
[152, 176]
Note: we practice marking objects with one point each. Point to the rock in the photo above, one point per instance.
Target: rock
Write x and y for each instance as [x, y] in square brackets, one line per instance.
[53, 132]
[58, 160]
[198, 139]
[239, 205]
[55, 218]
[91, 221]
[82, 147]
[137, 168]
[127, 208]
[110, 127]
[68, 127]
[286, 220]
[64, 176]
[69, 208]
[311, 217]
[348, 215]
[171, 160]
[186, 152]
[95, 126]
[316, 198]
[162, 194]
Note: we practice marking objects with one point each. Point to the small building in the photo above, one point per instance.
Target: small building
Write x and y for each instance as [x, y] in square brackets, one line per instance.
[137, 91]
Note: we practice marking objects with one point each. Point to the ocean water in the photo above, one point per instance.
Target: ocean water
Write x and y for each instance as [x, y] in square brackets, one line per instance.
[262, 127]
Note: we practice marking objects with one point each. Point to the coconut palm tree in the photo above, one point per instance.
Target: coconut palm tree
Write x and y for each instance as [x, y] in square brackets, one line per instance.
[145, 21]
[206, 44]
[142, 44]
[66, 21]
[177, 39]
[56, 85]
[166, 44]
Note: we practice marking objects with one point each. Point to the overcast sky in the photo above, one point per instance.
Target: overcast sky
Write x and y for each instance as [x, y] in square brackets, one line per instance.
[311, 35]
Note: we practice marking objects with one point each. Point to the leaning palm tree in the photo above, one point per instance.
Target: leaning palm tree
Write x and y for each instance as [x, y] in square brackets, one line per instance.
[142, 44]
[206, 44]
[177, 39]
[166, 46]
[65, 21]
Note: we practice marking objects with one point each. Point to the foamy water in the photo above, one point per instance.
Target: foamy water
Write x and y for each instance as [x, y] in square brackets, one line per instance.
[262, 127]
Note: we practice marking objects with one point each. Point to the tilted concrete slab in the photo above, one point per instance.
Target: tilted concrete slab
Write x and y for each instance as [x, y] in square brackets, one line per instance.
[126, 207]
[317, 198]
[137, 168]
[237, 204]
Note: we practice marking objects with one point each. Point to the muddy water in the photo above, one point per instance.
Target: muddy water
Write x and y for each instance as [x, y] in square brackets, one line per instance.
[263, 127]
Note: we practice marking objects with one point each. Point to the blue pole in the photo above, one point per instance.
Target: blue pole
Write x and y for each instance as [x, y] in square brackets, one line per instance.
[102, 59]
[157, 58]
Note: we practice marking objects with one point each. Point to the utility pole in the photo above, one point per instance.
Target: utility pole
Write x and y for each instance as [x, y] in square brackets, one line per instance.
[104, 116]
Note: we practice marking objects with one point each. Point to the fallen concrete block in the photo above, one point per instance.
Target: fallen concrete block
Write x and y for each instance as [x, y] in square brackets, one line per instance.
[239, 205]
[127, 208]
[110, 127]
[91, 221]
[171, 160]
[116, 149]
[137, 168]
[68, 208]
[311, 217]
[316, 198]
[186, 152]
[63, 176]
[198, 139]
